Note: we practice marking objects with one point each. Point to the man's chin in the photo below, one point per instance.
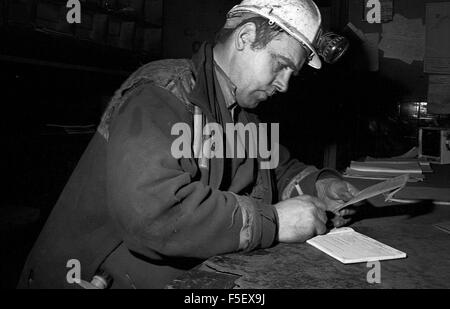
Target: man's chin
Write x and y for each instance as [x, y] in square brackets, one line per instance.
[253, 105]
[253, 102]
[250, 105]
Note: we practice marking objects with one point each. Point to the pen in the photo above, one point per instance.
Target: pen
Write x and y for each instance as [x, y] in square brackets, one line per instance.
[299, 190]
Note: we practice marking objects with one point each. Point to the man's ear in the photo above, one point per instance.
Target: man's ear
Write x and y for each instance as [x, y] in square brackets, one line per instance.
[245, 36]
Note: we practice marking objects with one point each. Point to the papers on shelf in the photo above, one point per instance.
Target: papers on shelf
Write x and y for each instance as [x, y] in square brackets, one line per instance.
[348, 246]
[385, 169]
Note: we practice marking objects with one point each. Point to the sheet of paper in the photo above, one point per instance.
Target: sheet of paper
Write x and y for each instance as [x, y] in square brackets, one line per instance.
[439, 94]
[348, 246]
[403, 39]
[380, 188]
[387, 10]
[437, 59]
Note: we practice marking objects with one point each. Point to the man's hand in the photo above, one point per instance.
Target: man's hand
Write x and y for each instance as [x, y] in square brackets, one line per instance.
[300, 218]
[334, 192]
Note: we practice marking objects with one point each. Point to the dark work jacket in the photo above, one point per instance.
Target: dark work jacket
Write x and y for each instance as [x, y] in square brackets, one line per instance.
[143, 217]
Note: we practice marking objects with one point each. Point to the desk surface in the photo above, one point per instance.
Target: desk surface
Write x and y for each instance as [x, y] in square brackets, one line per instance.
[408, 228]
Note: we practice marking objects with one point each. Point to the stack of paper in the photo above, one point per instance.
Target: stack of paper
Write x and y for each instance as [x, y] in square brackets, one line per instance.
[387, 169]
[424, 165]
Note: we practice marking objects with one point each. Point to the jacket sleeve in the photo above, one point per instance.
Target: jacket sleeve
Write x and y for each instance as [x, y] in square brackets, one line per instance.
[291, 172]
[160, 207]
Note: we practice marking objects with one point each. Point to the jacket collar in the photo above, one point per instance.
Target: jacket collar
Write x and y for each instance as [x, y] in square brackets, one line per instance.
[207, 93]
[226, 85]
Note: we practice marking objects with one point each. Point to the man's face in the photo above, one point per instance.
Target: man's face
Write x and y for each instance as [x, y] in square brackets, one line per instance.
[262, 72]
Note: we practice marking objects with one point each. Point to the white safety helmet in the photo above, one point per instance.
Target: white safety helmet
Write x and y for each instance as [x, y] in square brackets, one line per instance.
[299, 18]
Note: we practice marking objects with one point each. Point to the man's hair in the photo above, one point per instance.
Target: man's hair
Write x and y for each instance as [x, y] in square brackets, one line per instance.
[265, 32]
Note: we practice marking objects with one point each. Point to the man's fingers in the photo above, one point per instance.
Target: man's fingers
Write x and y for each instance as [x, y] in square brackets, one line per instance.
[342, 192]
[347, 212]
[352, 189]
[338, 190]
[344, 195]
[339, 221]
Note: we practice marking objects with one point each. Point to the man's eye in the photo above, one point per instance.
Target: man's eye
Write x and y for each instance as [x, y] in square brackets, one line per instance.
[281, 66]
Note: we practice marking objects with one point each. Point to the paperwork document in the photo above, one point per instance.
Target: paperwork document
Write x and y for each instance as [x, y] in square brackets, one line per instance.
[388, 187]
[348, 246]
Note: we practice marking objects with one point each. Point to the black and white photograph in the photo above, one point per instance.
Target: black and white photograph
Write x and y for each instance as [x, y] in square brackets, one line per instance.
[225, 151]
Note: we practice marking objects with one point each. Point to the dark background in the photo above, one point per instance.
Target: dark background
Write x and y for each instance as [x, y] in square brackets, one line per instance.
[66, 76]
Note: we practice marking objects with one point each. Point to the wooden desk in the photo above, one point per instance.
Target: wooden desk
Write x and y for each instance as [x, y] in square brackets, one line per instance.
[407, 227]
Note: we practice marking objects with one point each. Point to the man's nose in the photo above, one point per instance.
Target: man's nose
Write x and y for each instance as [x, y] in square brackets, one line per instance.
[281, 83]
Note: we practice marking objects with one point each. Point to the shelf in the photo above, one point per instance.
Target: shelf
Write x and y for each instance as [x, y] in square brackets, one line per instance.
[102, 30]
[27, 45]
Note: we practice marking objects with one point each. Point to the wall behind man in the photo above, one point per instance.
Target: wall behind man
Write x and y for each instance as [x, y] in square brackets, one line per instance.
[371, 124]
[189, 22]
[409, 76]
